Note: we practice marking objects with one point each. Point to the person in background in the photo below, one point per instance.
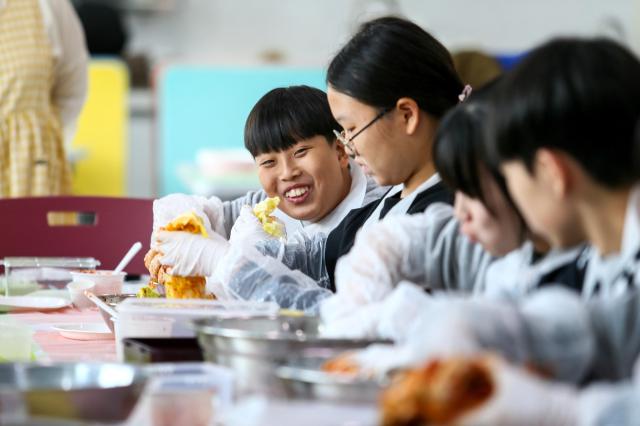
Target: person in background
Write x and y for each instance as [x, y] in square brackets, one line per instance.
[476, 68]
[43, 85]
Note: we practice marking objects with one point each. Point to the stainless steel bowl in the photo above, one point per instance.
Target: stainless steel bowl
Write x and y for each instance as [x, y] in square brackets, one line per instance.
[304, 378]
[112, 300]
[255, 347]
[105, 393]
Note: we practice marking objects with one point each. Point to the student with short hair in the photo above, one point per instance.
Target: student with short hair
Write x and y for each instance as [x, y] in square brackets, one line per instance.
[289, 132]
[388, 88]
[564, 124]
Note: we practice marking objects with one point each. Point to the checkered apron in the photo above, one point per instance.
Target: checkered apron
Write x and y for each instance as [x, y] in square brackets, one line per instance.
[32, 158]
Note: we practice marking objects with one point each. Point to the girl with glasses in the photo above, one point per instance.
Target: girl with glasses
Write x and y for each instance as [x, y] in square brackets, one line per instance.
[388, 87]
[480, 246]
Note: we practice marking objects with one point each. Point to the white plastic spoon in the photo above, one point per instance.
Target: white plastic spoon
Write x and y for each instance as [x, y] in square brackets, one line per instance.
[135, 248]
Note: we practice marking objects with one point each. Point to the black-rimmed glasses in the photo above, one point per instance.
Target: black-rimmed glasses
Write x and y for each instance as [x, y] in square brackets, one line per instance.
[348, 142]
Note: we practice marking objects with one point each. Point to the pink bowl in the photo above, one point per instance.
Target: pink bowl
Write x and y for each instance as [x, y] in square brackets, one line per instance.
[106, 282]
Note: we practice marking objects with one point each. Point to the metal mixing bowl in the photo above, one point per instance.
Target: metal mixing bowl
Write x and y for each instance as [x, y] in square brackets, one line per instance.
[255, 347]
[105, 393]
[112, 300]
[304, 378]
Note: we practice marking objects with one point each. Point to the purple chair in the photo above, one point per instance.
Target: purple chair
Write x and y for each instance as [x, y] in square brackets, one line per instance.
[107, 228]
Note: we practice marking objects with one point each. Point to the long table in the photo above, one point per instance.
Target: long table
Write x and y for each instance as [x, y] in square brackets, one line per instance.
[59, 348]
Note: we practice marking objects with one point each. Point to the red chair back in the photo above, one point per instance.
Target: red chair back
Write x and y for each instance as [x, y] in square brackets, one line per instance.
[119, 222]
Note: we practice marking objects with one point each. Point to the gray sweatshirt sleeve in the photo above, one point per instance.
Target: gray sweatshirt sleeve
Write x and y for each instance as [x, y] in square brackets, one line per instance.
[615, 324]
[549, 329]
[231, 209]
[577, 340]
[452, 261]
[425, 248]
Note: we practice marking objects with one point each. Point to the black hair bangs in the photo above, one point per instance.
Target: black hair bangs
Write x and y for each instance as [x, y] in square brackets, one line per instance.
[460, 155]
[286, 116]
[457, 150]
[390, 58]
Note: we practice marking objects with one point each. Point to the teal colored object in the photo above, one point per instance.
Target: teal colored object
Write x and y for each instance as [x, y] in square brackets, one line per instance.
[206, 107]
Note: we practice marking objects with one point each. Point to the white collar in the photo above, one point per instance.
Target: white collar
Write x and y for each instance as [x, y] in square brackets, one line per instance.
[353, 200]
[433, 180]
[606, 270]
[631, 230]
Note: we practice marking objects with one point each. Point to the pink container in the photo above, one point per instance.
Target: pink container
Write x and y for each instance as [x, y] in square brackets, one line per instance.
[106, 282]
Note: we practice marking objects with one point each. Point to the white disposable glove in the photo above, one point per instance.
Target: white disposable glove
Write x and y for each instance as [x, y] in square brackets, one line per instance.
[402, 307]
[394, 250]
[520, 398]
[248, 230]
[451, 337]
[211, 211]
[389, 319]
[360, 323]
[368, 272]
[425, 327]
[190, 254]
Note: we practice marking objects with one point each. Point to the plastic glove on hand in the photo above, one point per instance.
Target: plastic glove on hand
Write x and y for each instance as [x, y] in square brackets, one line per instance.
[271, 225]
[190, 254]
[521, 397]
[248, 229]
[480, 390]
[211, 211]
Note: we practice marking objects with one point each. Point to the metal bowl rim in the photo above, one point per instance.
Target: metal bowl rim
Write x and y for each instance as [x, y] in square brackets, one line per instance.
[215, 331]
[318, 377]
[123, 295]
[140, 375]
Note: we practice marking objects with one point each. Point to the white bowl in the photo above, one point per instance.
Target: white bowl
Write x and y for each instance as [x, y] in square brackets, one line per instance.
[76, 293]
[106, 282]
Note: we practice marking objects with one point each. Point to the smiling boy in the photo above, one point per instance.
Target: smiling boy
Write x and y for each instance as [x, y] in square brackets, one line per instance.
[290, 134]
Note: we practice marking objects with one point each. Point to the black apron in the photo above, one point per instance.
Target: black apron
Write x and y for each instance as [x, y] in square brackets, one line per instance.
[341, 239]
[570, 275]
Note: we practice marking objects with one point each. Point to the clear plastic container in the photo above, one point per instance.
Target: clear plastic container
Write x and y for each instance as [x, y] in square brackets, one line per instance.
[23, 275]
[172, 317]
[15, 341]
[185, 394]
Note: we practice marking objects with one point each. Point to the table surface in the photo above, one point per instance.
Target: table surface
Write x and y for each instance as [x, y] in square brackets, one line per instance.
[59, 348]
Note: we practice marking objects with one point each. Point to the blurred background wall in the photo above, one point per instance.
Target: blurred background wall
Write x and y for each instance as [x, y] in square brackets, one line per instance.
[168, 43]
